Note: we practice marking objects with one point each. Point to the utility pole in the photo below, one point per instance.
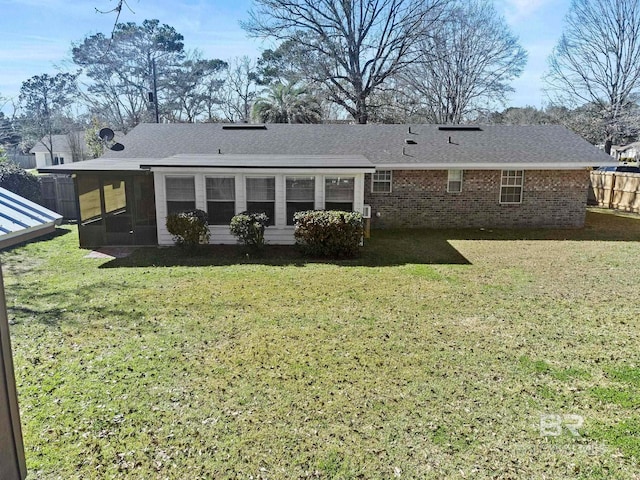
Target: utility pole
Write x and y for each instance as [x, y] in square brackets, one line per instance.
[155, 91]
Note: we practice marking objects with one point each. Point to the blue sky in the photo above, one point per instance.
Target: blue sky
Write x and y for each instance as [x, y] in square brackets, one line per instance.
[37, 34]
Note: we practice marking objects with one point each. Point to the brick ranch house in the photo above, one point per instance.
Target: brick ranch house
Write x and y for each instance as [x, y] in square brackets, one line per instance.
[406, 176]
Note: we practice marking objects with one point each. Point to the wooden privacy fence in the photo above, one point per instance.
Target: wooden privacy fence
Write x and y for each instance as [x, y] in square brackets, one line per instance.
[25, 161]
[618, 190]
[58, 194]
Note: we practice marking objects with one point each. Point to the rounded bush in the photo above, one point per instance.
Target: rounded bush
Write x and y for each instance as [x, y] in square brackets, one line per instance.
[248, 228]
[189, 228]
[329, 233]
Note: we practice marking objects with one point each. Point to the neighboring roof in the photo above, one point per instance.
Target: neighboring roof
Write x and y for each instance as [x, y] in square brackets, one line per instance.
[622, 148]
[391, 146]
[60, 143]
[21, 219]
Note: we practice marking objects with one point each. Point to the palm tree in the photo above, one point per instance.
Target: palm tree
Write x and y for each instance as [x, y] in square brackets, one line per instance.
[287, 104]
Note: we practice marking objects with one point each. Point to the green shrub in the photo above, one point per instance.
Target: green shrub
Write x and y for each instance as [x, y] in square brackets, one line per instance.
[248, 228]
[17, 180]
[189, 228]
[329, 233]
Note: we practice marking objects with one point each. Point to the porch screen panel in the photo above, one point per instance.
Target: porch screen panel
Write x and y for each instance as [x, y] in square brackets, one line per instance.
[89, 197]
[115, 197]
[261, 196]
[300, 195]
[339, 193]
[221, 200]
[181, 194]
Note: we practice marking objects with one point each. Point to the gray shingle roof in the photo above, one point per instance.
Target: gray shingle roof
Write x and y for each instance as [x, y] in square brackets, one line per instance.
[494, 146]
[216, 161]
[261, 161]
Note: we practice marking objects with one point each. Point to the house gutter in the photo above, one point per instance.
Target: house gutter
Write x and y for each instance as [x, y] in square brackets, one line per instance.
[490, 166]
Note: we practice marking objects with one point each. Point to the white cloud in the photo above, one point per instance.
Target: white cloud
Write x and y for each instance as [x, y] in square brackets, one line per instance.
[516, 11]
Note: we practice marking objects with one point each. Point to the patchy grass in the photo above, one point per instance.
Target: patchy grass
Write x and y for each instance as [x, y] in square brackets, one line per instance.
[431, 356]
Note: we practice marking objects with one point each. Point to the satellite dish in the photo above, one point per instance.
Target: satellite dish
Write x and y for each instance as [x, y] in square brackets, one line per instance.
[106, 134]
[117, 147]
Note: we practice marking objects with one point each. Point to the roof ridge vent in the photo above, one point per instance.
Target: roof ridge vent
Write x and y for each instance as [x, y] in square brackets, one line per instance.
[461, 128]
[244, 126]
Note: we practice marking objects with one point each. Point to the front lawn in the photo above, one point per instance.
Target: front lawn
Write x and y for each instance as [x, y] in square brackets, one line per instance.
[434, 355]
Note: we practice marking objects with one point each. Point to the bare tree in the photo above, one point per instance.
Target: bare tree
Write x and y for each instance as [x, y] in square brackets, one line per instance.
[350, 47]
[75, 139]
[239, 90]
[597, 61]
[467, 63]
[193, 86]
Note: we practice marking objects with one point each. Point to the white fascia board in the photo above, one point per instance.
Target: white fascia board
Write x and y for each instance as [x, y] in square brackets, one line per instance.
[24, 234]
[494, 166]
[262, 171]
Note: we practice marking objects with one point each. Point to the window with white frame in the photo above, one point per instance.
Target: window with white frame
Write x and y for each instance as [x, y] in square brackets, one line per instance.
[301, 192]
[511, 186]
[221, 200]
[454, 181]
[181, 194]
[261, 196]
[381, 181]
[338, 193]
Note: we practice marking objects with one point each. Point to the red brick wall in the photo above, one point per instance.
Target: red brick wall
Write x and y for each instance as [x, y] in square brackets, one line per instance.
[419, 198]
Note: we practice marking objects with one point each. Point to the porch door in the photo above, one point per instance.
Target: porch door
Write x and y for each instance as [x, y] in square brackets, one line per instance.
[130, 210]
[118, 215]
[145, 231]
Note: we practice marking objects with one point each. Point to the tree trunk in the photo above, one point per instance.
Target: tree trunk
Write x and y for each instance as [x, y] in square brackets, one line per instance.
[607, 146]
[361, 115]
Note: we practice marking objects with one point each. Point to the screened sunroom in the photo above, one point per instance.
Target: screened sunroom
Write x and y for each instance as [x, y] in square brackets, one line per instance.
[280, 186]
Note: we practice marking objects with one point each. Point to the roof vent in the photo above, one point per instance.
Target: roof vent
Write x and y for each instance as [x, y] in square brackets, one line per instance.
[461, 128]
[410, 141]
[243, 126]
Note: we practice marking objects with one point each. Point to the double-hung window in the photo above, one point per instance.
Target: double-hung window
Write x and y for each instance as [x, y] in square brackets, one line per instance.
[511, 186]
[454, 181]
[181, 194]
[381, 181]
[338, 193]
[300, 195]
[221, 200]
[261, 196]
